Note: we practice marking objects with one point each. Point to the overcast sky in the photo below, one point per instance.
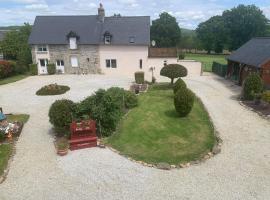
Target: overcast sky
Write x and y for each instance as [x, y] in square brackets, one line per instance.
[189, 13]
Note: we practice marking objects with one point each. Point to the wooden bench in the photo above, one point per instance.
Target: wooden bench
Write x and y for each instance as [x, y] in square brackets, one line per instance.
[83, 135]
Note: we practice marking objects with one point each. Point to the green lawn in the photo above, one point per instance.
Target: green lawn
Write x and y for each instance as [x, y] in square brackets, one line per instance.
[13, 79]
[207, 60]
[154, 133]
[6, 149]
[20, 118]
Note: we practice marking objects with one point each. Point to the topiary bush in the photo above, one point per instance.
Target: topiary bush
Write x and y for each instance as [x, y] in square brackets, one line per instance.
[61, 114]
[131, 100]
[183, 102]
[52, 89]
[173, 71]
[252, 85]
[51, 68]
[33, 69]
[139, 77]
[179, 84]
[107, 108]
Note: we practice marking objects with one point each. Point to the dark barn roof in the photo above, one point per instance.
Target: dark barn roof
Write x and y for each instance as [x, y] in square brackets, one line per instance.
[255, 52]
[54, 29]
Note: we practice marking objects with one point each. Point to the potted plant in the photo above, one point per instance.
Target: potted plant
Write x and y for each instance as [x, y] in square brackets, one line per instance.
[62, 146]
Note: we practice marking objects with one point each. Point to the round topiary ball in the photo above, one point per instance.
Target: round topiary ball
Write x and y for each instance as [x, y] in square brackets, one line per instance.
[252, 86]
[183, 101]
[60, 114]
[173, 71]
[179, 84]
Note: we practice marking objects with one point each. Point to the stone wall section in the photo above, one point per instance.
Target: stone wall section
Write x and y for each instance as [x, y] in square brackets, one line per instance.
[88, 58]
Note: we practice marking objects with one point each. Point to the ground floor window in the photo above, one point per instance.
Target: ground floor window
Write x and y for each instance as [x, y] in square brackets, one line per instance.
[74, 61]
[43, 62]
[111, 63]
[59, 63]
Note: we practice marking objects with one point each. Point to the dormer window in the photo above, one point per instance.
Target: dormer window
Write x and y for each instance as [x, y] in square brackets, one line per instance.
[132, 40]
[107, 38]
[73, 43]
[73, 39]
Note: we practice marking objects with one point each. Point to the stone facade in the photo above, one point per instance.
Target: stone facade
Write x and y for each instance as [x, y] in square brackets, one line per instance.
[88, 57]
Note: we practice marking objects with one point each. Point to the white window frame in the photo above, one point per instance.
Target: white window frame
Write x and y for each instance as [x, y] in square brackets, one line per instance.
[73, 43]
[42, 48]
[111, 63]
[107, 39]
[74, 61]
[60, 63]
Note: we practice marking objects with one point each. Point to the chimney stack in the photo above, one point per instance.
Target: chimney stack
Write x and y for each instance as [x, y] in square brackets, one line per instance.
[101, 13]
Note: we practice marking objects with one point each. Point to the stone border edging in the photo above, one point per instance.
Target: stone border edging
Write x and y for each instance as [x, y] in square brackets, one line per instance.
[165, 166]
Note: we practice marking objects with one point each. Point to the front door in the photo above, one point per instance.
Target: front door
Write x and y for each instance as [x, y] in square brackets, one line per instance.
[60, 67]
[42, 66]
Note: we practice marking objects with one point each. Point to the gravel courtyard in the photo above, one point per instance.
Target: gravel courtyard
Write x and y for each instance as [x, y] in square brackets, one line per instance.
[240, 171]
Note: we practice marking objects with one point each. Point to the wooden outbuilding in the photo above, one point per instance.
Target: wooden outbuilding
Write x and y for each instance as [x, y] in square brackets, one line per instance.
[254, 56]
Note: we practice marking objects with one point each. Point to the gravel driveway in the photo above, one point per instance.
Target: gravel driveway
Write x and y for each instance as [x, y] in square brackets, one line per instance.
[240, 171]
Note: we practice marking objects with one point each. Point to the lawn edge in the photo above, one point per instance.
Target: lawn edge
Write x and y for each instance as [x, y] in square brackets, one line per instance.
[216, 149]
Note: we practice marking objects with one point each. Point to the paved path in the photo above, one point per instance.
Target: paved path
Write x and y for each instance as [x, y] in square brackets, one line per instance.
[241, 171]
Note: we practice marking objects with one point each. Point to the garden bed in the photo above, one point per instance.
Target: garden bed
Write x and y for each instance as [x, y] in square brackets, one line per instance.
[7, 146]
[52, 89]
[262, 108]
[153, 132]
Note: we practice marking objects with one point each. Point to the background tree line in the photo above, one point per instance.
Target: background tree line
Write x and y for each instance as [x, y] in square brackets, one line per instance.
[228, 31]
[15, 46]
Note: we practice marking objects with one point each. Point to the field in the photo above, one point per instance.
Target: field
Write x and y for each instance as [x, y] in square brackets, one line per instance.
[207, 60]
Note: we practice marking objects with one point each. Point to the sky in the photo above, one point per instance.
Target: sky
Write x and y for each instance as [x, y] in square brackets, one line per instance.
[189, 13]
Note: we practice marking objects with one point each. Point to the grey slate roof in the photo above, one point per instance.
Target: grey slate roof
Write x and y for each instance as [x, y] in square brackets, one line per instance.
[255, 52]
[54, 29]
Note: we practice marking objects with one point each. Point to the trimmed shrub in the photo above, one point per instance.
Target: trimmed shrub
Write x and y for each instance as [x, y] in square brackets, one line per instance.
[131, 100]
[266, 96]
[107, 108]
[33, 68]
[51, 68]
[183, 102]
[61, 114]
[52, 89]
[252, 85]
[139, 77]
[181, 56]
[6, 68]
[173, 71]
[179, 84]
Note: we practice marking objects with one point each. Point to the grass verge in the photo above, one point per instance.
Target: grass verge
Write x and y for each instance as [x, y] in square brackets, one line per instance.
[6, 149]
[13, 79]
[154, 133]
[207, 60]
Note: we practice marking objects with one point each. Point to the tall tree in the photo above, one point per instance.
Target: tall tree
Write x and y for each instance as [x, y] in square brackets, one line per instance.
[15, 45]
[243, 23]
[212, 34]
[166, 31]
